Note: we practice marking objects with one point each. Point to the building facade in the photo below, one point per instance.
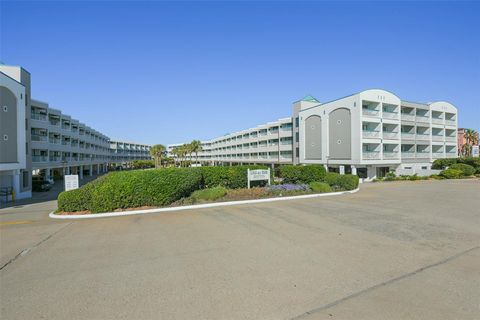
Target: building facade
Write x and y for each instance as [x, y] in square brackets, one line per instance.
[369, 133]
[123, 152]
[36, 139]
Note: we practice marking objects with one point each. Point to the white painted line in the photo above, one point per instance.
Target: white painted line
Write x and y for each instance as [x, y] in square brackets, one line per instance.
[195, 206]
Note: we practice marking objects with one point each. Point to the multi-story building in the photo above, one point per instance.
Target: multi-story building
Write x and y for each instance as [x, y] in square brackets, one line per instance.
[63, 145]
[270, 143]
[373, 132]
[123, 152]
[37, 139]
[369, 133]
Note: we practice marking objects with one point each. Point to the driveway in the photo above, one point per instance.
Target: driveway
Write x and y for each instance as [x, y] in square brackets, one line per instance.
[400, 250]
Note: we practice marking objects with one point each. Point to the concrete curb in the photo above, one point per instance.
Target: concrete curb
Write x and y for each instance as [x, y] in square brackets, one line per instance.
[195, 206]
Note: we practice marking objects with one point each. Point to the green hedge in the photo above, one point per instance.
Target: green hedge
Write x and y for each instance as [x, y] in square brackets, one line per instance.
[465, 168]
[341, 181]
[441, 164]
[302, 174]
[320, 187]
[131, 189]
[451, 174]
[231, 177]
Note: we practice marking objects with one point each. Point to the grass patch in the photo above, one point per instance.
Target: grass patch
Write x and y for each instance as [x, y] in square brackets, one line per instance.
[210, 194]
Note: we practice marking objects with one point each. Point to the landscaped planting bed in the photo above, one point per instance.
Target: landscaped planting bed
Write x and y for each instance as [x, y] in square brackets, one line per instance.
[120, 191]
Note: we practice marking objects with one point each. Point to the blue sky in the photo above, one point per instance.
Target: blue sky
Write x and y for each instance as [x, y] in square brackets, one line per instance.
[166, 72]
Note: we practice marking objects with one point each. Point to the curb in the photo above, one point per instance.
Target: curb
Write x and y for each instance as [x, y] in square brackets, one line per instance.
[195, 206]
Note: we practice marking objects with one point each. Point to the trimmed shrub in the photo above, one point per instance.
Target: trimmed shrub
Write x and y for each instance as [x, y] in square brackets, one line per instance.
[441, 164]
[211, 194]
[131, 189]
[320, 187]
[341, 181]
[451, 174]
[231, 177]
[143, 164]
[465, 168]
[390, 176]
[302, 174]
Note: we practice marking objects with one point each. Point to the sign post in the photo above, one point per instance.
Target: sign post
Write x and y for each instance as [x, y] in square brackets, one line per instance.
[71, 182]
[256, 175]
[475, 151]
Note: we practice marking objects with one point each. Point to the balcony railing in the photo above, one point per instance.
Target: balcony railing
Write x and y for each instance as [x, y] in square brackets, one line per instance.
[406, 135]
[371, 155]
[423, 154]
[438, 154]
[390, 135]
[451, 122]
[408, 154]
[39, 138]
[390, 115]
[54, 141]
[39, 158]
[54, 158]
[422, 118]
[451, 154]
[437, 120]
[437, 137]
[370, 112]
[408, 117]
[370, 133]
[450, 138]
[422, 136]
[391, 154]
[38, 116]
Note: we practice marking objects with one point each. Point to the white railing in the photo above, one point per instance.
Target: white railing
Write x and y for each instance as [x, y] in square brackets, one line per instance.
[38, 116]
[451, 154]
[422, 118]
[390, 115]
[422, 136]
[370, 112]
[437, 120]
[39, 138]
[408, 117]
[371, 155]
[450, 122]
[408, 154]
[438, 154]
[391, 155]
[390, 135]
[423, 154]
[406, 135]
[450, 138]
[437, 137]
[370, 134]
[39, 158]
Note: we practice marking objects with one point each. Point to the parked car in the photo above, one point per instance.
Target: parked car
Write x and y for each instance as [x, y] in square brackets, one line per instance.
[39, 184]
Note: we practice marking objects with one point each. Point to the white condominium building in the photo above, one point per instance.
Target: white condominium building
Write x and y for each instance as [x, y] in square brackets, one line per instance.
[121, 152]
[369, 133]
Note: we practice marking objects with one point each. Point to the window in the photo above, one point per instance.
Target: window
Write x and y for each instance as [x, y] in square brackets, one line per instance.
[5, 137]
[297, 152]
[5, 109]
[296, 122]
[25, 179]
[297, 136]
[424, 168]
[26, 148]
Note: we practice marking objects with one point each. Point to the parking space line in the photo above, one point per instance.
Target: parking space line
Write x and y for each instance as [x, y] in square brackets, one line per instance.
[8, 223]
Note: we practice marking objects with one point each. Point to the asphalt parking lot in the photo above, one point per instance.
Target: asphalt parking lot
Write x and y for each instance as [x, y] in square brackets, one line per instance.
[402, 250]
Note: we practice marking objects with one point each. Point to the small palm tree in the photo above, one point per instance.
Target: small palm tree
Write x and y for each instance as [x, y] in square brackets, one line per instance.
[471, 139]
[196, 147]
[157, 152]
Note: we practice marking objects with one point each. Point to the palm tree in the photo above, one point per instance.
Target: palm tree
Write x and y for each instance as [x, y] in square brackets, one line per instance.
[157, 152]
[196, 147]
[471, 139]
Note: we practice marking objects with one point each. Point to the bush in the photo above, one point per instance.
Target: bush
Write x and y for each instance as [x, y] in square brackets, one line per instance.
[232, 177]
[320, 187]
[143, 164]
[451, 174]
[131, 189]
[466, 169]
[287, 187]
[211, 194]
[390, 176]
[302, 174]
[341, 181]
[441, 164]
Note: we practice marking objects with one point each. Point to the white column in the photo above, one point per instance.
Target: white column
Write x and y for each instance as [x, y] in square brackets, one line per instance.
[16, 182]
[80, 172]
[354, 170]
[371, 172]
[342, 169]
[48, 173]
[326, 167]
[90, 172]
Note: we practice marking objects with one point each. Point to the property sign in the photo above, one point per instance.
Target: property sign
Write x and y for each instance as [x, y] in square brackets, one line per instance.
[71, 182]
[257, 175]
[475, 151]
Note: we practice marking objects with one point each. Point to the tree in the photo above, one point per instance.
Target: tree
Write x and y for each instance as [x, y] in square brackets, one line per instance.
[471, 139]
[196, 147]
[157, 152]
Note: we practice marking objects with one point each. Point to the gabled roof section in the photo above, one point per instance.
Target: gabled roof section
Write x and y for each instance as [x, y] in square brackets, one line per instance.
[310, 98]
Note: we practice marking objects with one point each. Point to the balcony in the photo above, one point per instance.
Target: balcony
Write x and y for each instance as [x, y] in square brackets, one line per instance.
[408, 154]
[450, 122]
[54, 158]
[369, 155]
[423, 154]
[451, 154]
[408, 117]
[390, 135]
[422, 136]
[391, 155]
[422, 119]
[370, 112]
[390, 115]
[450, 138]
[54, 141]
[40, 138]
[408, 136]
[437, 120]
[39, 158]
[370, 133]
[437, 137]
[38, 116]
[438, 154]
